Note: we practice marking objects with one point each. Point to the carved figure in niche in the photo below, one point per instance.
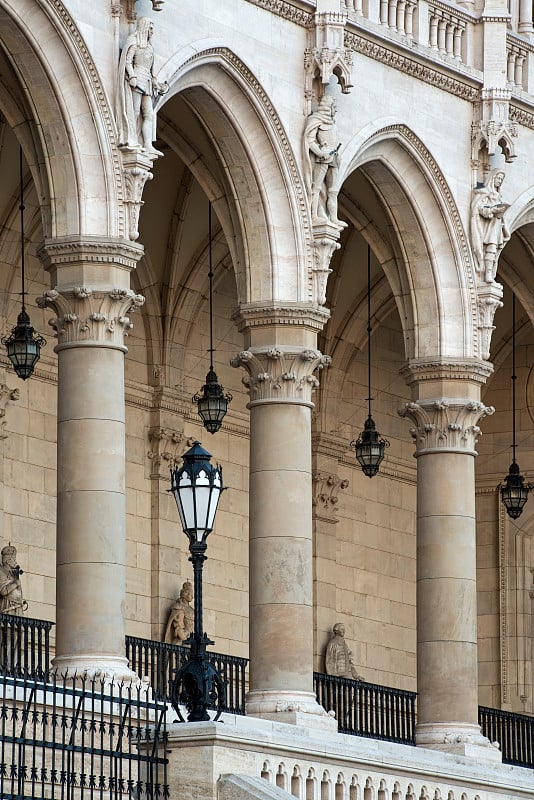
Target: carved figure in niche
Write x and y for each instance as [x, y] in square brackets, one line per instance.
[181, 620]
[488, 230]
[11, 599]
[338, 659]
[321, 162]
[137, 88]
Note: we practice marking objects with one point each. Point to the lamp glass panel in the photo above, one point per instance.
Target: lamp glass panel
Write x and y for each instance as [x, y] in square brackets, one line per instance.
[186, 504]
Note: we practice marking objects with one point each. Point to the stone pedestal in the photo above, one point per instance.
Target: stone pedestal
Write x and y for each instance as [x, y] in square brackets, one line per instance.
[91, 299]
[281, 361]
[446, 416]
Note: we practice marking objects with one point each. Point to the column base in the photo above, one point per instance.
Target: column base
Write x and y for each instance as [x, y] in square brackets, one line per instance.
[459, 739]
[104, 668]
[294, 708]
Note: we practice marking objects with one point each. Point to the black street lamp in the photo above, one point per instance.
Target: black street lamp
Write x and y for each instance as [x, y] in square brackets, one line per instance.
[197, 487]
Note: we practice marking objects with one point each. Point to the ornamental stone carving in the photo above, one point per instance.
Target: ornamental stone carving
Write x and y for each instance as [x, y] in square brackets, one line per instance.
[327, 55]
[493, 128]
[280, 374]
[166, 447]
[489, 233]
[137, 166]
[489, 299]
[326, 492]
[321, 163]
[446, 425]
[91, 316]
[7, 395]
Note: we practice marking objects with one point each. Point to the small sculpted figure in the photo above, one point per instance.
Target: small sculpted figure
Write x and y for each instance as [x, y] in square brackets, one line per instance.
[11, 599]
[488, 230]
[338, 656]
[137, 88]
[321, 162]
[181, 620]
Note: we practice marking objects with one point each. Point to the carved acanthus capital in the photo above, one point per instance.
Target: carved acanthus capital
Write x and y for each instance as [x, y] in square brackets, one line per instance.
[446, 425]
[492, 127]
[489, 299]
[91, 317]
[280, 374]
[165, 448]
[327, 54]
[326, 488]
[137, 171]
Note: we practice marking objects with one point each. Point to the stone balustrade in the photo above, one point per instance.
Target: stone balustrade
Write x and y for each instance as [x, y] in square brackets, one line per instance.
[313, 764]
[446, 31]
[517, 64]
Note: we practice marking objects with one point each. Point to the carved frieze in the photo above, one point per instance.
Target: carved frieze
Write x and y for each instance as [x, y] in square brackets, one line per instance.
[446, 425]
[280, 374]
[91, 316]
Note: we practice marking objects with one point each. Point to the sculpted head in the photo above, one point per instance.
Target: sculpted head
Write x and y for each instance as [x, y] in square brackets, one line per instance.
[9, 556]
[145, 29]
[186, 592]
[339, 629]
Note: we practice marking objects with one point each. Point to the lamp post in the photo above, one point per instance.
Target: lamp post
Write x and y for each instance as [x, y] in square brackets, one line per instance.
[197, 487]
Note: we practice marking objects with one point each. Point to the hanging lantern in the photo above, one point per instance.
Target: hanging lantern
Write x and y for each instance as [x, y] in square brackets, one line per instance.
[23, 345]
[212, 401]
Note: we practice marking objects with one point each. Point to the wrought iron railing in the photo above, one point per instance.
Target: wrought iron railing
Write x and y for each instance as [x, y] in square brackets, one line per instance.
[24, 645]
[159, 660]
[514, 732]
[80, 739]
[366, 709]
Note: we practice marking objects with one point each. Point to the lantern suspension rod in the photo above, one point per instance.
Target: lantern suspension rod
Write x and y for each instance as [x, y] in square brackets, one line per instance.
[210, 276]
[369, 326]
[21, 209]
[514, 377]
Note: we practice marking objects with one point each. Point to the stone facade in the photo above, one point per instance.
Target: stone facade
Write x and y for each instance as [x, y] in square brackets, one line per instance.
[430, 99]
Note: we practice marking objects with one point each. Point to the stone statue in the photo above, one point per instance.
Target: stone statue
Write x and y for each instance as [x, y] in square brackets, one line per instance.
[488, 230]
[137, 88]
[181, 620]
[11, 599]
[339, 657]
[321, 162]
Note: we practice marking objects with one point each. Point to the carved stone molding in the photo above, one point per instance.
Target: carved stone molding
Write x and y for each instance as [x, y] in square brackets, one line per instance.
[446, 425]
[470, 369]
[137, 171]
[492, 126]
[325, 244]
[280, 374]
[90, 317]
[326, 488]
[327, 55]
[489, 300]
[286, 10]
[75, 252]
[308, 315]
[7, 395]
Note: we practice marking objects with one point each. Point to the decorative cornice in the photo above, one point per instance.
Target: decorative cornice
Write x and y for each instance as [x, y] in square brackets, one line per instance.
[410, 66]
[522, 116]
[329, 445]
[473, 370]
[280, 374]
[446, 424]
[287, 11]
[88, 317]
[253, 315]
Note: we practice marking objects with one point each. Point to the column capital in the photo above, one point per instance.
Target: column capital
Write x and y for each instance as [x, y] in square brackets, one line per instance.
[280, 374]
[89, 317]
[446, 424]
[306, 316]
[95, 261]
[426, 370]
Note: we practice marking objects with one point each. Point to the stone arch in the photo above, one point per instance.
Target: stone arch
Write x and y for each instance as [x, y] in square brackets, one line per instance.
[58, 110]
[432, 276]
[260, 199]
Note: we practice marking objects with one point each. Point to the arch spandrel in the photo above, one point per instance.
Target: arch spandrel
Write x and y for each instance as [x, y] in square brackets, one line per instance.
[265, 217]
[53, 98]
[431, 276]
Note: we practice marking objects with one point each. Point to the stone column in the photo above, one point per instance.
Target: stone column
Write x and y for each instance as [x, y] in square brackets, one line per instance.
[446, 412]
[281, 359]
[91, 298]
